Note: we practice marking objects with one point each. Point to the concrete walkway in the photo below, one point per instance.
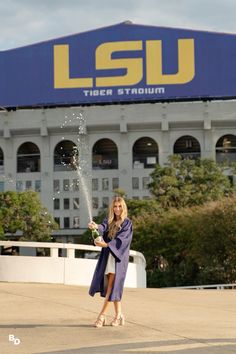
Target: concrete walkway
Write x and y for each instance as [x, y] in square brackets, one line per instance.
[47, 318]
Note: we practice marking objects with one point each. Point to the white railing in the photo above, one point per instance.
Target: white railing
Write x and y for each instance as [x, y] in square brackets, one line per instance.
[210, 286]
[62, 270]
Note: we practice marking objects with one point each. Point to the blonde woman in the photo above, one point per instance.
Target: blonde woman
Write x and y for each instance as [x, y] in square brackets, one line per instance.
[110, 272]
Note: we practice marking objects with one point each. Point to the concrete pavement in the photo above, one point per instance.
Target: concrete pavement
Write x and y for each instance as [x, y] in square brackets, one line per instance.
[48, 318]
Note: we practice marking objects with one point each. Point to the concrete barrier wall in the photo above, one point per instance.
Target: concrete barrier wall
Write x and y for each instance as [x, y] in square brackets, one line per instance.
[62, 270]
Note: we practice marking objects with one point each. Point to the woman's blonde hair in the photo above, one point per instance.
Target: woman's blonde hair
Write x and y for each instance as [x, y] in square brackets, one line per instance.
[113, 224]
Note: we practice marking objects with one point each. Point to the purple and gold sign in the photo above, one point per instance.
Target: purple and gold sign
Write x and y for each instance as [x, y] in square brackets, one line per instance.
[120, 63]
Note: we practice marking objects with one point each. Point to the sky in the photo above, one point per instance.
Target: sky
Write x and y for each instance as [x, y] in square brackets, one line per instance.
[24, 22]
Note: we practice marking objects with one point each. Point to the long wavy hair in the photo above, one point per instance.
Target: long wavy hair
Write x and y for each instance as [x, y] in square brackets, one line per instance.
[114, 224]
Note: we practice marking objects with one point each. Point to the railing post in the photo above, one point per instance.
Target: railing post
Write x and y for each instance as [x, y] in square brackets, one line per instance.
[54, 252]
[70, 253]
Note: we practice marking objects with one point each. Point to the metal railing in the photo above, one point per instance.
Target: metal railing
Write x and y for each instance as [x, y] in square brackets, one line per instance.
[210, 286]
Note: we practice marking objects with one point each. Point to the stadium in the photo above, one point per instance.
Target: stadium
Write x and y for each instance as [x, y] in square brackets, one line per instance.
[110, 104]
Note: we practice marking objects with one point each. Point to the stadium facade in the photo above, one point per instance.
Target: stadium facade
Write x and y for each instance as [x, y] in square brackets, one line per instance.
[105, 106]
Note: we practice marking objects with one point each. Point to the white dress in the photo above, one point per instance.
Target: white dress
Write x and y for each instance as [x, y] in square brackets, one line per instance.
[111, 264]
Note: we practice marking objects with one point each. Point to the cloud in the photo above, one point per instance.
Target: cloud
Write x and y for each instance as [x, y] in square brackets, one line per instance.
[26, 21]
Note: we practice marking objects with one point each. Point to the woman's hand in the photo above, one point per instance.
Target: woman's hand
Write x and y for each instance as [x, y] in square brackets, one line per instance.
[100, 243]
[92, 225]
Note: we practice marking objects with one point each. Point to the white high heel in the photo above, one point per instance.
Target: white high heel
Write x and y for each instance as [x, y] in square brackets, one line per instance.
[100, 321]
[118, 321]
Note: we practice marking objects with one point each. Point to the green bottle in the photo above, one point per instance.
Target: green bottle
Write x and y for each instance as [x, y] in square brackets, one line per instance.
[95, 233]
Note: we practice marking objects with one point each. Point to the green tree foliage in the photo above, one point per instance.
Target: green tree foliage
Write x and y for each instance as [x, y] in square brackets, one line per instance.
[119, 192]
[24, 212]
[189, 246]
[10, 213]
[188, 182]
[136, 207]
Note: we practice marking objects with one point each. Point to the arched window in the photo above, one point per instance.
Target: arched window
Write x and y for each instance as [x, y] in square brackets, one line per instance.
[105, 155]
[145, 153]
[1, 161]
[226, 148]
[188, 147]
[66, 156]
[28, 158]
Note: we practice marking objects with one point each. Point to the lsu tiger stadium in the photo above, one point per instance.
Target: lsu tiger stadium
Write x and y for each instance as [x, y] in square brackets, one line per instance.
[105, 106]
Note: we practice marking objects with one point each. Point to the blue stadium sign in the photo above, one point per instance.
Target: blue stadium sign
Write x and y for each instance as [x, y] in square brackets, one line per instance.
[120, 63]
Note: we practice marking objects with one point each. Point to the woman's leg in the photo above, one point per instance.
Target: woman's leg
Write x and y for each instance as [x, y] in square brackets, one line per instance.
[101, 320]
[117, 305]
[119, 319]
[110, 279]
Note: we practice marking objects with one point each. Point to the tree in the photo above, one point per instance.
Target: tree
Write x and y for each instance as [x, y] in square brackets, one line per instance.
[119, 192]
[189, 182]
[189, 246]
[10, 220]
[24, 212]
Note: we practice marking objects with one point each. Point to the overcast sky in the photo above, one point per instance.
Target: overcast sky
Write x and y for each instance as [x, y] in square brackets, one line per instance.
[25, 22]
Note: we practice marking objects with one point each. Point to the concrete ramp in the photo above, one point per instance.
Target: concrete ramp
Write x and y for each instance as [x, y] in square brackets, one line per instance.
[49, 318]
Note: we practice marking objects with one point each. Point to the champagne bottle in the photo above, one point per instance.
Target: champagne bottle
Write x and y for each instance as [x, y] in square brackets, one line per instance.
[95, 233]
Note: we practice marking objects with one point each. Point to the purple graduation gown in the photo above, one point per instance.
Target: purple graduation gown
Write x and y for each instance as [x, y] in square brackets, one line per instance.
[119, 247]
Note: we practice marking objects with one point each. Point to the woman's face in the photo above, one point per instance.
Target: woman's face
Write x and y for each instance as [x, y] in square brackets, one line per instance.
[117, 209]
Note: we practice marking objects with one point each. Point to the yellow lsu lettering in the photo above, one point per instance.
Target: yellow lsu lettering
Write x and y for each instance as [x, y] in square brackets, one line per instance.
[133, 66]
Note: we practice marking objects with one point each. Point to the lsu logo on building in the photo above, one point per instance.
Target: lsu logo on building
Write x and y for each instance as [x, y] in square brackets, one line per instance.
[135, 71]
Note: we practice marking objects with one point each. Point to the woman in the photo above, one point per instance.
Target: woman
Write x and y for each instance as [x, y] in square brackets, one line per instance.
[110, 272]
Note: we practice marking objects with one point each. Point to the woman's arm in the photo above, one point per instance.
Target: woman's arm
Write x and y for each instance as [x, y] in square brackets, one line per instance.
[101, 244]
[100, 227]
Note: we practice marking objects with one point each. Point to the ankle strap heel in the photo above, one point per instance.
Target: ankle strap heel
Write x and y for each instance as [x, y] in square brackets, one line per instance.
[100, 321]
[118, 321]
